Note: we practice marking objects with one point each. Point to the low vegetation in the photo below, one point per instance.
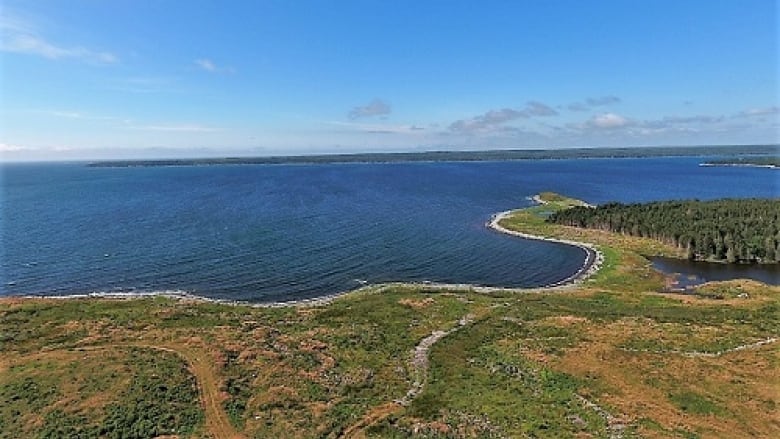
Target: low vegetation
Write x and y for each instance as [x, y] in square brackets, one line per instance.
[111, 392]
[611, 357]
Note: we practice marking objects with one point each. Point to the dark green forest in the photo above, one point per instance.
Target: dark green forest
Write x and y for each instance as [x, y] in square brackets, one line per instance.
[457, 156]
[730, 230]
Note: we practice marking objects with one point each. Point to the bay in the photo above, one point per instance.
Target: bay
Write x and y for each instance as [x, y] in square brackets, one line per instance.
[283, 232]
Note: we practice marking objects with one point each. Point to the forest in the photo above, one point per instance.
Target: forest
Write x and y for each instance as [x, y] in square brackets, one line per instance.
[457, 156]
[727, 230]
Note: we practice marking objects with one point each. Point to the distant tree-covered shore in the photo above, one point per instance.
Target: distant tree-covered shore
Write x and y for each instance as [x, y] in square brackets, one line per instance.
[764, 161]
[454, 156]
[728, 230]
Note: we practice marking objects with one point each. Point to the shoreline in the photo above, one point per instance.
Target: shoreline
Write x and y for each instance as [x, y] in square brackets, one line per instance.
[593, 261]
[736, 165]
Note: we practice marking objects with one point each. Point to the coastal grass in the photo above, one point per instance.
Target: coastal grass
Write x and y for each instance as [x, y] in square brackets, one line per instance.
[520, 369]
[624, 268]
[114, 392]
[612, 356]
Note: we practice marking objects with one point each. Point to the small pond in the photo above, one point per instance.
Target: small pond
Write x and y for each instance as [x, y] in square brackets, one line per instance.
[692, 273]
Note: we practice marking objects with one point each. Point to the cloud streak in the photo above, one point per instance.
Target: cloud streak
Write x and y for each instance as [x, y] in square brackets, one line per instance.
[376, 107]
[19, 37]
[608, 121]
[5, 147]
[178, 128]
[495, 119]
[590, 103]
[604, 100]
[78, 115]
[379, 128]
[765, 111]
[208, 65]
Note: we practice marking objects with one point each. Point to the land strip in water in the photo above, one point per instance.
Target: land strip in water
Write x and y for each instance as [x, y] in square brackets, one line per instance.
[456, 156]
[772, 162]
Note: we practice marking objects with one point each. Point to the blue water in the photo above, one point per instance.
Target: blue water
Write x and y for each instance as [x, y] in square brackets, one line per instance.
[281, 232]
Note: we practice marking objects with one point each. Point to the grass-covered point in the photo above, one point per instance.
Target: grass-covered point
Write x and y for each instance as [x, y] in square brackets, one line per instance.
[608, 358]
[730, 230]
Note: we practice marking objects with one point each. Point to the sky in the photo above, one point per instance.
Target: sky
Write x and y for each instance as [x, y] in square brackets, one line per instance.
[91, 79]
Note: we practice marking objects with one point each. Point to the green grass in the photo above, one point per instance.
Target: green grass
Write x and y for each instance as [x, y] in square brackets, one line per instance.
[480, 370]
[691, 402]
[141, 393]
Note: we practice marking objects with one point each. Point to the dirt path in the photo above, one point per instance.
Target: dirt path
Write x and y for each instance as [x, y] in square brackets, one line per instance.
[419, 364]
[420, 360]
[376, 414]
[203, 368]
[615, 426]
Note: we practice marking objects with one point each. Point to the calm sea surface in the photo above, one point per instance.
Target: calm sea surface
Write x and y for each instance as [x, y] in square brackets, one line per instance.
[281, 232]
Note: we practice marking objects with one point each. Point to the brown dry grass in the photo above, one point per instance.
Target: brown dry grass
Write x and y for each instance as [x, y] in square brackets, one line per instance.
[638, 384]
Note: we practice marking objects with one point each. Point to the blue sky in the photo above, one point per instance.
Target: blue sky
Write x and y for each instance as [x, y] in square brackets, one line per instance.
[116, 78]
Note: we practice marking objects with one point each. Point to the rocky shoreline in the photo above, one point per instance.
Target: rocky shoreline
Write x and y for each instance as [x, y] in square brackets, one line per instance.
[593, 261]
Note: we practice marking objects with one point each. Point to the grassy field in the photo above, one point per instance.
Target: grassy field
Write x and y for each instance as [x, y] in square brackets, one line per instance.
[610, 358]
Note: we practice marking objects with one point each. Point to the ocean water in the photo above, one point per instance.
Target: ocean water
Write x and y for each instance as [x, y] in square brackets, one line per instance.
[282, 232]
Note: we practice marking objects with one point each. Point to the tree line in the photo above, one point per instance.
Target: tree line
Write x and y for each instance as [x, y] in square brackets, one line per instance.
[730, 230]
[746, 161]
[455, 156]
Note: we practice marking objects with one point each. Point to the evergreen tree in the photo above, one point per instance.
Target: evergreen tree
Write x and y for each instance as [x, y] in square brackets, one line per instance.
[734, 230]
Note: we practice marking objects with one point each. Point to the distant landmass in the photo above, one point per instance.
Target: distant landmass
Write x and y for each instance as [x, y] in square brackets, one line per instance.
[760, 162]
[459, 156]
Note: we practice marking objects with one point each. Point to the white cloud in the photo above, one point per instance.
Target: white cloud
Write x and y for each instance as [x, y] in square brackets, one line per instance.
[765, 111]
[67, 114]
[608, 121]
[206, 64]
[494, 119]
[143, 85]
[578, 106]
[536, 108]
[4, 147]
[376, 107]
[20, 37]
[188, 128]
[81, 116]
[594, 102]
[209, 66]
[379, 128]
[603, 100]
